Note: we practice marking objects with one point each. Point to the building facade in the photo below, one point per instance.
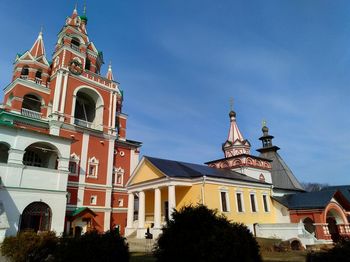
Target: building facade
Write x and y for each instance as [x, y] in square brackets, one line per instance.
[63, 137]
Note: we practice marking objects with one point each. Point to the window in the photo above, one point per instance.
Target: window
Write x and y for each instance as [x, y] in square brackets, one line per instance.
[93, 200]
[4, 152]
[266, 206]
[239, 202]
[72, 167]
[87, 64]
[38, 74]
[224, 201]
[252, 202]
[25, 72]
[93, 168]
[120, 202]
[73, 164]
[118, 176]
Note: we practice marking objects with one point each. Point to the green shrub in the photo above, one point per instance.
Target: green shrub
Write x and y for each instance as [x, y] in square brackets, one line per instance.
[340, 252]
[29, 246]
[200, 234]
[93, 246]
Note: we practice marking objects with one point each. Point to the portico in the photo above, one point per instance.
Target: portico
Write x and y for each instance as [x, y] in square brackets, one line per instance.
[153, 206]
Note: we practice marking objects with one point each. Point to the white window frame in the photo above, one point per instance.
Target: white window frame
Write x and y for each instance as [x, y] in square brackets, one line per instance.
[120, 202]
[118, 172]
[267, 202]
[93, 200]
[255, 202]
[75, 159]
[227, 198]
[93, 162]
[69, 194]
[242, 201]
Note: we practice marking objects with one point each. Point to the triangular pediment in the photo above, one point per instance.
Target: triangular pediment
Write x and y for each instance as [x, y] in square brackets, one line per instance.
[145, 172]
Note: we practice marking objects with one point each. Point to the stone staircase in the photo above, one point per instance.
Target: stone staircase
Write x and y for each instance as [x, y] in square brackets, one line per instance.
[142, 245]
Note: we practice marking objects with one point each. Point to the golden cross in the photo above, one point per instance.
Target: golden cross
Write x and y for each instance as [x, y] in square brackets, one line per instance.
[264, 122]
[231, 103]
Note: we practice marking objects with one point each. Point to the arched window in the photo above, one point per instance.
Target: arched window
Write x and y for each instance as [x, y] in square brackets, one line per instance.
[38, 74]
[75, 43]
[25, 72]
[36, 216]
[4, 152]
[40, 155]
[31, 106]
[87, 64]
[85, 108]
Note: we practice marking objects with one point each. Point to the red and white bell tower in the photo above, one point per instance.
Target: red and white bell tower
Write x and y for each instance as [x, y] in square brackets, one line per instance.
[76, 102]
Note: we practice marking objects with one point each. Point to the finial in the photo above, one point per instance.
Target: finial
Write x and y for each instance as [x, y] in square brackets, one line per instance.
[264, 129]
[75, 8]
[84, 10]
[110, 65]
[41, 31]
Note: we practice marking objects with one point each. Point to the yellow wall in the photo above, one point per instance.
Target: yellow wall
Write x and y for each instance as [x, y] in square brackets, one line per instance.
[212, 200]
[186, 195]
[146, 172]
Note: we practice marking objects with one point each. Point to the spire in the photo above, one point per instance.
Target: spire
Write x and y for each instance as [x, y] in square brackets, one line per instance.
[109, 75]
[83, 17]
[234, 133]
[235, 143]
[38, 48]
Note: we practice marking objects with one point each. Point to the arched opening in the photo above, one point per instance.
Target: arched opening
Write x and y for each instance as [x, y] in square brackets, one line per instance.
[333, 218]
[333, 228]
[309, 225]
[25, 72]
[31, 102]
[36, 216]
[88, 110]
[85, 107]
[75, 43]
[295, 245]
[87, 64]
[41, 155]
[38, 74]
[4, 152]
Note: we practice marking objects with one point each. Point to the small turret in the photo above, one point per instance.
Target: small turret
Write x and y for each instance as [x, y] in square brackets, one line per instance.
[109, 74]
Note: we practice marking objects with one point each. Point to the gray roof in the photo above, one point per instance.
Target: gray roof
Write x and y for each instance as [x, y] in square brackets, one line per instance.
[179, 169]
[282, 176]
[311, 200]
[344, 189]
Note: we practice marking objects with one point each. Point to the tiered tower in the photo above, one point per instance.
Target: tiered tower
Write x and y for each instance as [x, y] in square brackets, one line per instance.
[71, 99]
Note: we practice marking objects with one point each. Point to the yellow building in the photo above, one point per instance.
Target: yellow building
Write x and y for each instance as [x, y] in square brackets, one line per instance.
[241, 186]
[161, 185]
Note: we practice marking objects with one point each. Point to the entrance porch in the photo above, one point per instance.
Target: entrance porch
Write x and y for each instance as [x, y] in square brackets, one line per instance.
[150, 208]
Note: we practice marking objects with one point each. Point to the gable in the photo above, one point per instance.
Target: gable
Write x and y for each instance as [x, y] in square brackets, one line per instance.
[146, 172]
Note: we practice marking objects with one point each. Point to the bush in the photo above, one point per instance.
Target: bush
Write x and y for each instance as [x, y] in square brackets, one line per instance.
[29, 246]
[340, 252]
[93, 246]
[200, 234]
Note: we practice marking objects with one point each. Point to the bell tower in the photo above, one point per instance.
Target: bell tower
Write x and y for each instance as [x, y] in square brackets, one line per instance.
[70, 100]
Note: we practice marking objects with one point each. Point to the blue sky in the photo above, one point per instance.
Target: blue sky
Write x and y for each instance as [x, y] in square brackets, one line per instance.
[179, 62]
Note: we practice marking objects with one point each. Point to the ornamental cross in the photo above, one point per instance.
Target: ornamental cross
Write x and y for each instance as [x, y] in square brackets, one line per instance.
[231, 103]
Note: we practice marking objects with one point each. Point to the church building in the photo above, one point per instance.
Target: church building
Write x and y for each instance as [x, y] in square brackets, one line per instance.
[64, 155]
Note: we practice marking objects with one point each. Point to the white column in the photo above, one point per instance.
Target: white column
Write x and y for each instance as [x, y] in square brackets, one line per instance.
[141, 210]
[171, 199]
[130, 219]
[157, 208]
